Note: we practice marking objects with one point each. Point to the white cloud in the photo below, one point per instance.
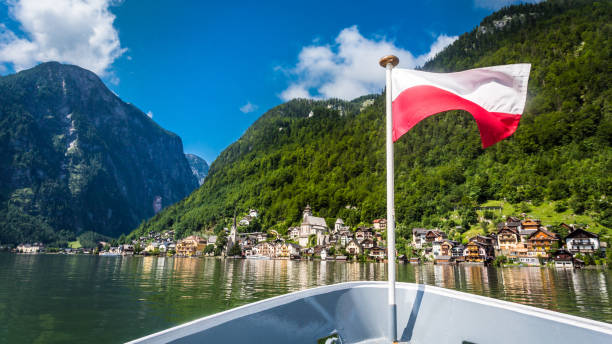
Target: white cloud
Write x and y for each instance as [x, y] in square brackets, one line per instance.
[150, 114]
[349, 68]
[436, 47]
[248, 107]
[80, 32]
[497, 4]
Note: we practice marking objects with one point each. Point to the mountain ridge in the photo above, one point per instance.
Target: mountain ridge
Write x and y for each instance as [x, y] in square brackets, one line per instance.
[76, 158]
[199, 167]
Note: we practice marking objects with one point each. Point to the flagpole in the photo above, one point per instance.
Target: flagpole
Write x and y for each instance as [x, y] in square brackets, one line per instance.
[388, 62]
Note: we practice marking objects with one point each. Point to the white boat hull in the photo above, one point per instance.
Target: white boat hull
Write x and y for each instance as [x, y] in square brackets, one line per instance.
[357, 312]
[257, 257]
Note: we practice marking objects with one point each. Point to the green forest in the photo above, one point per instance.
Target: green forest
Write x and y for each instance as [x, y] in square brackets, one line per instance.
[334, 160]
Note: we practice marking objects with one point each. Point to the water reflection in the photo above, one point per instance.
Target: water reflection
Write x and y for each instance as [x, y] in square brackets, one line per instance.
[75, 298]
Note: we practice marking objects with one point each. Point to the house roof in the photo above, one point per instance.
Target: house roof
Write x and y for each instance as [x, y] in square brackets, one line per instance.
[541, 229]
[314, 221]
[581, 233]
[527, 232]
[506, 228]
[481, 239]
[419, 231]
[353, 241]
[339, 221]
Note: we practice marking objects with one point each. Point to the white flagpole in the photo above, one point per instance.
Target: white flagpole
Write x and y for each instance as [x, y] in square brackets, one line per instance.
[389, 62]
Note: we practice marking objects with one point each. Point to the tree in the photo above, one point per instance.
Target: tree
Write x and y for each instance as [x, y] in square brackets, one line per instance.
[500, 260]
[312, 240]
[588, 259]
[235, 250]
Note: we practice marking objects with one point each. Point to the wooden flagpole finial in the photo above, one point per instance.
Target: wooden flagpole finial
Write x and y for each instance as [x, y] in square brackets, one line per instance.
[392, 59]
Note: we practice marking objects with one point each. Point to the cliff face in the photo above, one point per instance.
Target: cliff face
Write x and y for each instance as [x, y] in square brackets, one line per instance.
[199, 167]
[75, 157]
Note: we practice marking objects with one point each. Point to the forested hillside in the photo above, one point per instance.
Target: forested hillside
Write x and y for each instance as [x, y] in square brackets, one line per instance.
[330, 154]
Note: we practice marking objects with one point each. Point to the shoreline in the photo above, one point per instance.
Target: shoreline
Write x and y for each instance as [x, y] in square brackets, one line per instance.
[588, 267]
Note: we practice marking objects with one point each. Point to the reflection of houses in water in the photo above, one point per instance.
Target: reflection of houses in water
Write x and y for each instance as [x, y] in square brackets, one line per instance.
[477, 278]
[147, 265]
[444, 276]
[603, 287]
[159, 268]
[323, 273]
[438, 275]
[530, 284]
[580, 289]
[589, 290]
[185, 265]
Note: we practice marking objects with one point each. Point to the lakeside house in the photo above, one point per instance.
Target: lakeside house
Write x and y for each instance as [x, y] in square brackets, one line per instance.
[563, 259]
[380, 224]
[354, 248]
[507, 238]
[367, 244]
[582, 241]
[378, 253]
[476, 252]
[340, 226]
[30, 248]
[363, 233]
[191, 246]
[540, 242]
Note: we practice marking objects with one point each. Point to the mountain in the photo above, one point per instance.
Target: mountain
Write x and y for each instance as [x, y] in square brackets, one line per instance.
[199, 167]
[331, 154]
[74, 158]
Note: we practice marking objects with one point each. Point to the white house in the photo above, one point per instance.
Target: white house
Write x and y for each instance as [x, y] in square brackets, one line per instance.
[323, 254]
[582, 241]
[418, 237]
[27, 248]
[380, 224]
[294, 232]
[340, 226]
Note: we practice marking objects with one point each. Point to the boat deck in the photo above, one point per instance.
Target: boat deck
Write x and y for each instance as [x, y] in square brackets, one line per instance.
[358, 313]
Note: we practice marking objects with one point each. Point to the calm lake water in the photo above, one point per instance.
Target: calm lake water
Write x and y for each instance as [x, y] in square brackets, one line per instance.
[59, 298]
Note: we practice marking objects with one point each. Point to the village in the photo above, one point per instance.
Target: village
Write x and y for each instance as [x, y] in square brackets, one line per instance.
[516, 242]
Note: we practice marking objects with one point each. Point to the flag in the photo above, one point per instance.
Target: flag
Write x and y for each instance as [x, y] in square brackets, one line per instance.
[495, 96]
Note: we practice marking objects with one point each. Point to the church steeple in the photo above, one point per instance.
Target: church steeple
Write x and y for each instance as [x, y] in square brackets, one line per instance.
[231, 241]
[234, 227]
[307, 212]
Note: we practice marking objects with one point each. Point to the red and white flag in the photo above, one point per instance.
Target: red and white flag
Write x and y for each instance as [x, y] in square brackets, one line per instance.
[495, 96]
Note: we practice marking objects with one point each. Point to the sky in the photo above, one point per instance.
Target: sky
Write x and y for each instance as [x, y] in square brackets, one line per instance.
[206, 70]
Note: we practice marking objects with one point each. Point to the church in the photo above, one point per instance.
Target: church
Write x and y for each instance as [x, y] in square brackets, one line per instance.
[312, 225]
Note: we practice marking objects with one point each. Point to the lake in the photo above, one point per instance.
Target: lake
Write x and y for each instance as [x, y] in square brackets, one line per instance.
[64, 298]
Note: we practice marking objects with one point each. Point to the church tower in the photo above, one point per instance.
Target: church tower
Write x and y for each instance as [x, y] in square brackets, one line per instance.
[231, 240]
[233, 231]
[307, 212]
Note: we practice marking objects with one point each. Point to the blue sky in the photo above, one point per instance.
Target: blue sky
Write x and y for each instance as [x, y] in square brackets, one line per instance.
[207, 70]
